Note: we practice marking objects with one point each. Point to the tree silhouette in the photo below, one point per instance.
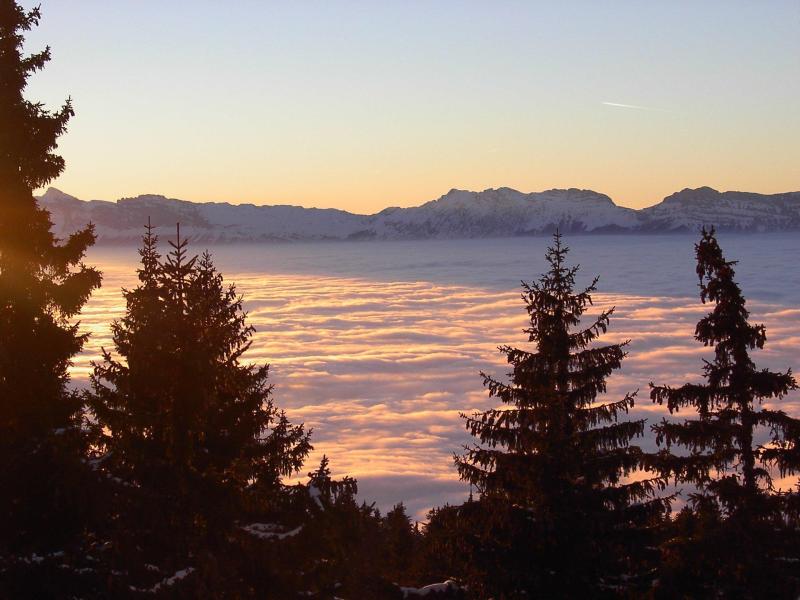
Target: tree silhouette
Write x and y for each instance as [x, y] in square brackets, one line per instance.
[44, 483]
[345, 548]
[189, 434]
[742, 533]
[551, 467]
[401, 540]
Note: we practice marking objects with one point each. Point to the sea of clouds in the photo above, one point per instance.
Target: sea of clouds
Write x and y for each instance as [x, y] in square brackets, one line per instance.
[378, 346]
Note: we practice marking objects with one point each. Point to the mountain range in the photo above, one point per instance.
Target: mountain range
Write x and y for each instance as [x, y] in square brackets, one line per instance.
[458, 214]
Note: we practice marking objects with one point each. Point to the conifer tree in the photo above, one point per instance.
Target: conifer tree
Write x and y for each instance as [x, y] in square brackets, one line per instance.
[402, 542]
[44, 483]
[739, 535]
[188, 432]
[344, 543]
[551, 466]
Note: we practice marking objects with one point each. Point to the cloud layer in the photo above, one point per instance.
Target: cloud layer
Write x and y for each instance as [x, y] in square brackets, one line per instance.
[381, 369]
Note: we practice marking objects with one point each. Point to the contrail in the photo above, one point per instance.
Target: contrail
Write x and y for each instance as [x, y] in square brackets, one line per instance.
[634, 106]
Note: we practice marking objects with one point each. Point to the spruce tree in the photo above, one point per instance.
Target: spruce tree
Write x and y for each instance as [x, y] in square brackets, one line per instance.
[345, 545]
[739, 534]
[561, 518]
[44, 483]
[402, 540]
[188, 433]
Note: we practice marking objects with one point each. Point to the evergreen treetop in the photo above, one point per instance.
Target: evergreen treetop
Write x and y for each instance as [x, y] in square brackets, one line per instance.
[183, 425]
[43, 283]
[45, 487]
[554, 452]
[734, 447]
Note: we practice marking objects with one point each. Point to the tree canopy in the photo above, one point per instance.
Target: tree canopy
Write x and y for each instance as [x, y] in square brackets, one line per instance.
[44, 499]
[554, 463]
[742, 532]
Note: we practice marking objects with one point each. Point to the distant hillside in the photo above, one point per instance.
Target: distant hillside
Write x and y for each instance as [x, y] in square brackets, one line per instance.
[457, 214]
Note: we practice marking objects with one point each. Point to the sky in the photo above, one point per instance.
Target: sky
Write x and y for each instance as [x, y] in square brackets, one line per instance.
[363, 105]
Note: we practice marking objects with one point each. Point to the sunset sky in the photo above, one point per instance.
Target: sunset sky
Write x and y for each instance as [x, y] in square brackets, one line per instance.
[362, 105]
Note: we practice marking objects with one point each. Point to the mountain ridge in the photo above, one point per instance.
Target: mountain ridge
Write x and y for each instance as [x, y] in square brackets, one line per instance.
[494, 212]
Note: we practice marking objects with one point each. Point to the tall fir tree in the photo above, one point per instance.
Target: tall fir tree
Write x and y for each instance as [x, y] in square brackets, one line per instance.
[44, 482]
[551, 467]
[188, 433]
[739, 536]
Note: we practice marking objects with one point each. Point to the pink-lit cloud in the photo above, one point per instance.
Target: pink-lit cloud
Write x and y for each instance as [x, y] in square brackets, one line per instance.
[381, 370]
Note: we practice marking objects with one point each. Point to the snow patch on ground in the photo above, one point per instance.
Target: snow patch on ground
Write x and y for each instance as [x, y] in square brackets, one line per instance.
[270, 531]
[446, 586]
[166, 582]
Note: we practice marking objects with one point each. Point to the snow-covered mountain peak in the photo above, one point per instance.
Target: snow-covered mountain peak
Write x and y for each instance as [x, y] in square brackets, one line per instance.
[574, 195]
[149, 199]
[453, 198]
[506, 196]
[55, 195]
[458, 214]
[701, 194]
[690, 209]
